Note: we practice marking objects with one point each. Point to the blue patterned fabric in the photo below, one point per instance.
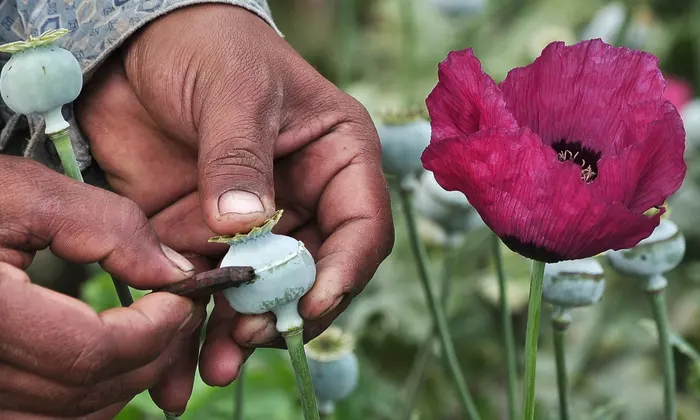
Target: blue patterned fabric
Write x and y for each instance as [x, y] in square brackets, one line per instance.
[97, 27]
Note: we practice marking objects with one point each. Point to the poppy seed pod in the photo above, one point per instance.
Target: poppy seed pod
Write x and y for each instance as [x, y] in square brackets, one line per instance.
[449, 209]
[284, 272]
[39, 78]
[403, 141]
[661, 252]
[465, 7]
[333, 366]
[570, 284]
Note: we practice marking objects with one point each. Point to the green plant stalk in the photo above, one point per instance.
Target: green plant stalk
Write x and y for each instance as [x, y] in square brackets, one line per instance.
[240, 391]
[171, 416]
[436, 309]
[507, 329]
[534, 308]
[295, 345]
[658, 306]
[408, 36]
[424, 357]
[559, 332]
[347, 22]
[64, 148]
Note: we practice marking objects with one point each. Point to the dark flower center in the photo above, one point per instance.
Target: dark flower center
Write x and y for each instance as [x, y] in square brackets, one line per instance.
[574, 152]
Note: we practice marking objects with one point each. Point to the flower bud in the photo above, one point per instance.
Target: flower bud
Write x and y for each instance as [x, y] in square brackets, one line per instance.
[334, 367]
[574, 283]
[659, 253]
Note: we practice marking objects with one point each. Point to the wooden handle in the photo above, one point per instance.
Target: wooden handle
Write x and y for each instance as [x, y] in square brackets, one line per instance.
[209, 282]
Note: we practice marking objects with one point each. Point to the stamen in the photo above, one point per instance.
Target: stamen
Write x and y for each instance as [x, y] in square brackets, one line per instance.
[575, 153]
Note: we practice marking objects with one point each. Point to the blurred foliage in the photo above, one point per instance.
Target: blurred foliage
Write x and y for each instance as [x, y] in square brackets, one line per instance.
[385, 52]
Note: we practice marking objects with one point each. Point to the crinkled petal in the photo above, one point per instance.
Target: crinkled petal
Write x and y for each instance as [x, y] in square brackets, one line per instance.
[584, 93]
[537, 204]
[465, 99]
[663, 166]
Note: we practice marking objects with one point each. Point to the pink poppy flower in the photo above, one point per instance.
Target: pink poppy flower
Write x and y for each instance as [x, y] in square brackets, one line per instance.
[564, 157]
[678, 92]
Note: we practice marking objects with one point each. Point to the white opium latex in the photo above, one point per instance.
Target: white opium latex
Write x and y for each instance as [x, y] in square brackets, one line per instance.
[570, 284]
[661, 252]
[284, 272]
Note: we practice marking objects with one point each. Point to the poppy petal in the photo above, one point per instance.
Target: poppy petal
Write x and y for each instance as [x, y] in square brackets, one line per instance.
[465, 99]
[537, 204]
[584, 93]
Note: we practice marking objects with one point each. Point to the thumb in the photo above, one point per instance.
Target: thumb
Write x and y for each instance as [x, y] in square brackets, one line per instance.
[237, 134]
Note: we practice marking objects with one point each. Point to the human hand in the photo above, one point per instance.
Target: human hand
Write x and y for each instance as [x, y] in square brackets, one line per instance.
[189, 121]
[57, 356]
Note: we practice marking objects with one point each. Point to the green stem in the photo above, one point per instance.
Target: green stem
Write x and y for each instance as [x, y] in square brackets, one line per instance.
[559, 329]
[658, 306]
[295, 345]
[439, 318]
[64, 148]
[424, 358]
[507, 329]
[347, 21]
[408, 36]
[61, 141]
[171, 416]
[240, 391]
[533, 331]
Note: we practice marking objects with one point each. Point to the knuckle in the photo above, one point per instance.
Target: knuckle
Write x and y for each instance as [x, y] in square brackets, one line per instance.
[92, 363]
[242, 163]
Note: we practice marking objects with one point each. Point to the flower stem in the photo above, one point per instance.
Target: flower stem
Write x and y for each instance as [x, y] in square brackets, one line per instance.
[64, 148]
[507, 329]
[240, 390]
[439, 318]
[295, 344]
[559, 327]
[533, 331]
[657, 297]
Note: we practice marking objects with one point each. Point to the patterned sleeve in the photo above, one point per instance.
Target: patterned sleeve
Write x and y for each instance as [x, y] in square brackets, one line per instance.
[98, 27]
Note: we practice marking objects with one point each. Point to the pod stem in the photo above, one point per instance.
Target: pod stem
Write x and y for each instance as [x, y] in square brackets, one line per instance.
[507, 329]
[240, 391]
[295, 344]
[64, 148]
[657, 296]
[61, 140]
[559, 327]
[534, 308]
[424, 357]
[171, 416]
[436, 308]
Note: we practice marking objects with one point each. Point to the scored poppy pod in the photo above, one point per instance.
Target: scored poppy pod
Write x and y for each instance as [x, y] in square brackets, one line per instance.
[565, 156]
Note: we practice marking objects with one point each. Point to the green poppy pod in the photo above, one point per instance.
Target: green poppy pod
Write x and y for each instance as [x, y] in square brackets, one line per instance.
[573, 283]
[659, 253]
[334, 367]
[284, 272]
[39, 78]
[449, 209]
[403, 143]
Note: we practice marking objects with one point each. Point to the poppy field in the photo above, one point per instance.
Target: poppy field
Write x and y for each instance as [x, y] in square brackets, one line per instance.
[541, 157]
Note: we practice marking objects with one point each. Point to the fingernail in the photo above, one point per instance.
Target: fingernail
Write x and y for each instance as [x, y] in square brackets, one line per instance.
[334, 305]
[181, 262]
[239, 202]
[188, 324]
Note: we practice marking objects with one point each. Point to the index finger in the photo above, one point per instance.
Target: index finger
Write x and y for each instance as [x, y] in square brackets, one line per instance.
[63, 339]
[354, 216]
